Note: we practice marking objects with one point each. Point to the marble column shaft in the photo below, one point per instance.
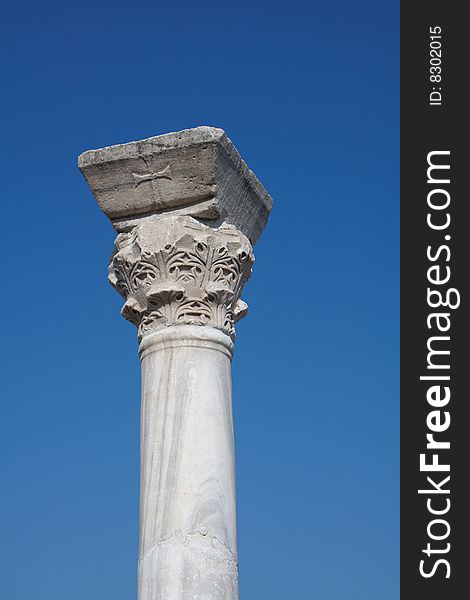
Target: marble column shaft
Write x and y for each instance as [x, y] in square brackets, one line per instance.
[188, 545]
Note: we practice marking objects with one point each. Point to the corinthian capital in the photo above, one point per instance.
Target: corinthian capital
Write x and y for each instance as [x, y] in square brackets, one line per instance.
[174, 270]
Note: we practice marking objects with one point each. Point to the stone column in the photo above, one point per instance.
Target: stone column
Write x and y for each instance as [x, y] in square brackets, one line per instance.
[187, 210]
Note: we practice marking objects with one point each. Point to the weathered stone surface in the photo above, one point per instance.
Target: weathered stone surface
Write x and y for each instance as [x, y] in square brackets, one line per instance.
[175, 271]
[196, 172]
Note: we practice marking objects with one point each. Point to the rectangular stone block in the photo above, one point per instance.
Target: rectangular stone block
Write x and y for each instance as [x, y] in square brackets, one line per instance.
[196, 172]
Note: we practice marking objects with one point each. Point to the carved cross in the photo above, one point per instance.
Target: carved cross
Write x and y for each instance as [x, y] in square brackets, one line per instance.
[164, 174]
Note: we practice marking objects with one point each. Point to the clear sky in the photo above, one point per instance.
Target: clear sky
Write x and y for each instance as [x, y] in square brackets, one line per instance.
[308, 92]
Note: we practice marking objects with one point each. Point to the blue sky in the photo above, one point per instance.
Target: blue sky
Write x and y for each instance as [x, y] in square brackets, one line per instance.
[308, 92]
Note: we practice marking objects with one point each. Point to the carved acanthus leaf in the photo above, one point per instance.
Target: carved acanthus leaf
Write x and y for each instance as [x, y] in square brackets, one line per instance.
[175, 270]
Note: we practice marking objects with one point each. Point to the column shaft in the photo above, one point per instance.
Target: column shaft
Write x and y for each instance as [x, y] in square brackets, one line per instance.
[188, 543]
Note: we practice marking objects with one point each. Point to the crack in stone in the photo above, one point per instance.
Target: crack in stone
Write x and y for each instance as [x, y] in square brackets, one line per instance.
[184, 539]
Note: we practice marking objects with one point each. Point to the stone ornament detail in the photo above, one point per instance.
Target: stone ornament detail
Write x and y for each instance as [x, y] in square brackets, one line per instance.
[175, 270]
